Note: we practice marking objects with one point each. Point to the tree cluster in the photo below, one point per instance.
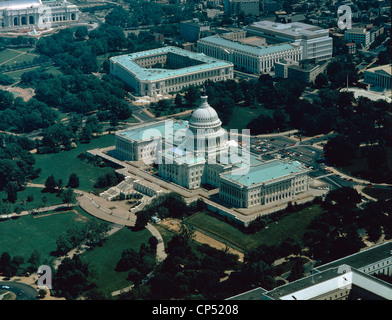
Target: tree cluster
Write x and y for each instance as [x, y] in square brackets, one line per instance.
[17, 265]
[93, 234]
[71, 278]
[16, 164]
[137, 264]
[20, 116]
[83, 94]
[366, 122]
[190, 271]
[167, 205]
[108, 180]
[334, 234]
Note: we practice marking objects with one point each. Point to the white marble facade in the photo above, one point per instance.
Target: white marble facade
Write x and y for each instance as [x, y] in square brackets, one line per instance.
[42, 14]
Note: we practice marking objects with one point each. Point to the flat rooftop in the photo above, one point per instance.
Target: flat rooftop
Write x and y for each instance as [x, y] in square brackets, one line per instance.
[165, 129]
[19, 4]
[128, 62]
[267, 171]
[293, 30]
[357, 30]
[246, 48]
[329, 281]
[384, 69]
[361, 259]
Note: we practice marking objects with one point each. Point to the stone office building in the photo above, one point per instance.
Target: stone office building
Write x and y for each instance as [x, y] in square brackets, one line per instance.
[16, 14]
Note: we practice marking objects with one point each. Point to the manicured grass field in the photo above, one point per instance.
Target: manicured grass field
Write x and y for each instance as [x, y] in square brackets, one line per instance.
[243, 115]
[36, 195]
[64, 163]
[293, 225]
[27, 233]
[8, 57]
[103, 260]
[16, 75]
[54, 70]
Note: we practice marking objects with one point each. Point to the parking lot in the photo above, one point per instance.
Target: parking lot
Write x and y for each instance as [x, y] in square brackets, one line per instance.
[285, 148]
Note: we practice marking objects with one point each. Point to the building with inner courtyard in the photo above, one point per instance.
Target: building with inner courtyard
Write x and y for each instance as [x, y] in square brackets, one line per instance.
[167, 70]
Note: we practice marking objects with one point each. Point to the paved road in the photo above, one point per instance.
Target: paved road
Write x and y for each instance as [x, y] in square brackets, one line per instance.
[140, 113]
[22, 291]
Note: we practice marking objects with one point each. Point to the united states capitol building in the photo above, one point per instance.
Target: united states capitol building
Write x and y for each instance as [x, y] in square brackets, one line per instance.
[16, 14]
[200, 152]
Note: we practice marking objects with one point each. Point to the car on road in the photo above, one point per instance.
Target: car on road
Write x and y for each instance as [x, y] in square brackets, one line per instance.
[5, 287]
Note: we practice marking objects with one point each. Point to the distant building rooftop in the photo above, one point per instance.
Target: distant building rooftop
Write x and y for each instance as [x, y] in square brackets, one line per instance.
[261, 50]
[357, 30]
[386, 69]
[361, 259]
[330, 280]
[293, 30]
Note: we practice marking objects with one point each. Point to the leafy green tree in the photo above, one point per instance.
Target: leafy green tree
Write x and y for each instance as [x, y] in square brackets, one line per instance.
[71, 278]
[34, 260]
[51, 184]
[12, 191]
[191, 95]
[321, 80]
[340, 150]
[81, 33]
[68, 196]
[297, 272]
[73, 181]
[178, 100]
[96, 232]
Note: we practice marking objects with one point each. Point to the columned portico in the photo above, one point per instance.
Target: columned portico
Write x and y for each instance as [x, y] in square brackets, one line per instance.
[20, 13]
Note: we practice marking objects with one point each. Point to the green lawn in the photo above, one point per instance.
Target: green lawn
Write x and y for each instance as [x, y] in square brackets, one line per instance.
[243, 115]
[16, 75]
[293, 225]
[104, 259]
[27, 233]
[37, 198]
[8, 54]
[64, 163]
[102, 58]
[8, 57]
[54, 70]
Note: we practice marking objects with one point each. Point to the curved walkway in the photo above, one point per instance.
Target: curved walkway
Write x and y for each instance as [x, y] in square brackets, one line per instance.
[117, 213]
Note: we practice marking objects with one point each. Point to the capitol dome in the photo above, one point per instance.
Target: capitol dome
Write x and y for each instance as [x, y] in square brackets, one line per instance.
[204, 116]
[205, 133]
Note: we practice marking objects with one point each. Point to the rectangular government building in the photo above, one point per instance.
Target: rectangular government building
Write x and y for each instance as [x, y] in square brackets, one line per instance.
[245, 56]
[266, 183]
[167, 70]
[315, 41]
[379, 76]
